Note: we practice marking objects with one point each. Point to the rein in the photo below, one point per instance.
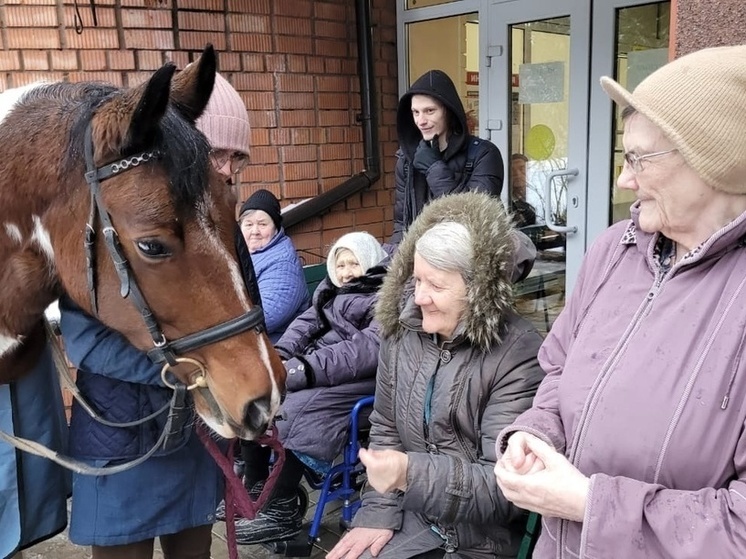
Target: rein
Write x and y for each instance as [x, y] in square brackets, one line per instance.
[236, 496]
[177, 415]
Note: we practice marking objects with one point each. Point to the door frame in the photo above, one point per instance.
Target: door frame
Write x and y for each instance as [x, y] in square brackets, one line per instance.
[590, 142]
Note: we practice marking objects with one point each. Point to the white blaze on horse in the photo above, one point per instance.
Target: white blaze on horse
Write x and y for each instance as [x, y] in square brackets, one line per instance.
[127, 172]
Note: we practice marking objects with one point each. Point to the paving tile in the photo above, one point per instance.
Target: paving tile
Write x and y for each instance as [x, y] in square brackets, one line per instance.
[60, 546]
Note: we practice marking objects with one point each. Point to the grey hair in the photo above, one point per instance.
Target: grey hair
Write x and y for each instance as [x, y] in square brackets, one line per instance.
[627, 112]
[246, 214]
[447, 246]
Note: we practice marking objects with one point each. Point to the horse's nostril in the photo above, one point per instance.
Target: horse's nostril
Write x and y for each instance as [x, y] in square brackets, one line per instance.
[256, 414]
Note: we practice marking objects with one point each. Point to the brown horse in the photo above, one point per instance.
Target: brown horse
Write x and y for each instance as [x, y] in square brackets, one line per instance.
[162, 214]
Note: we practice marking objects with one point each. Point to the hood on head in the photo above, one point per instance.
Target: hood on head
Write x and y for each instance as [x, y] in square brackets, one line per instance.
[366, 248]
[437, 84]
[489, 294]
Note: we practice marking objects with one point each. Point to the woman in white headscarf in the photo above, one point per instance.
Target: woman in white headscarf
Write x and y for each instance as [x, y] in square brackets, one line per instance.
[330, 353]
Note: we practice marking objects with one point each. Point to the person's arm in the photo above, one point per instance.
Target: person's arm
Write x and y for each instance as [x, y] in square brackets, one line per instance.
[95, 348]
[300, 332]
[543, 419]
[468, 492]
[487, 175]
[342, 362]
[380, 510]
[283, 290]
[400, 202]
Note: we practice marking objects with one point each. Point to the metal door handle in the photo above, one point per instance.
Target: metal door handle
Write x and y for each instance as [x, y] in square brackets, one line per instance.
[548, 200]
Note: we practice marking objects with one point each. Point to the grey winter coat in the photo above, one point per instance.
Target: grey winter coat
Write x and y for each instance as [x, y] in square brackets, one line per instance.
[413, 188]
[331, 354]
[483, 380]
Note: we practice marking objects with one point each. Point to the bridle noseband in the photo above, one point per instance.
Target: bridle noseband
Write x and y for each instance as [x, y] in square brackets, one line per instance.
[164, 351]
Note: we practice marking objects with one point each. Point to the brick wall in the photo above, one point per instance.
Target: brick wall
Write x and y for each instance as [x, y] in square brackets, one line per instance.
[294, 62]
[703, 23]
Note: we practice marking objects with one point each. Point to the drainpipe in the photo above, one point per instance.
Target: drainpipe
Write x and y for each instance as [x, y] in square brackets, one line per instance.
[369, 119]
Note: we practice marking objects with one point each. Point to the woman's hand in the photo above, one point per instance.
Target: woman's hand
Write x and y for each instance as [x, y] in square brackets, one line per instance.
[386, 469]
[518, 457]
[357, 540]
[558, 489]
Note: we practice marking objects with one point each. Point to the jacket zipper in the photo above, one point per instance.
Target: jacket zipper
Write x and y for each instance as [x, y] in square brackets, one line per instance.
[459, 436]
[574, 457]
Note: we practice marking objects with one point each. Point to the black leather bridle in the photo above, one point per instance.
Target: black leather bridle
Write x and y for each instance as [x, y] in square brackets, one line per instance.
[164, 351]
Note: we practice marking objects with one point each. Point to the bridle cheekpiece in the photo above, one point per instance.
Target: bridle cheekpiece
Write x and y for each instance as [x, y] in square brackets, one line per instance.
[164, 351]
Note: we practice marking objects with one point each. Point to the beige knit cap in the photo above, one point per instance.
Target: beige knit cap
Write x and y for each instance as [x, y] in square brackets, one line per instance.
[699, 102]
[225, 121]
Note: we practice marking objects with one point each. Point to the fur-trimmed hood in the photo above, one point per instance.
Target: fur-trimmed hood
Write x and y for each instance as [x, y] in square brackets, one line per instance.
[489, 294]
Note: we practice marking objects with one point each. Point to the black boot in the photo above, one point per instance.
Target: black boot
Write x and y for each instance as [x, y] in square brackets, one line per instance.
[254, 493]
[254, 459]
[256, 463]
[280, 518]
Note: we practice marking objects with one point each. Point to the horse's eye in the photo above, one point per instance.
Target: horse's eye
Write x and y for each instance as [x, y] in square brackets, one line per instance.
[152, 249]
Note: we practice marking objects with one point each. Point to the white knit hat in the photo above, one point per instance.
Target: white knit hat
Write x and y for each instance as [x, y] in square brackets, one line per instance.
[225, 121]
[364, 246]
[699, 102]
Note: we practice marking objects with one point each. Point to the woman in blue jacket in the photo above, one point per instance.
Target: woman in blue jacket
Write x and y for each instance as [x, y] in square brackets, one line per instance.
[33, 490]
[278, 270]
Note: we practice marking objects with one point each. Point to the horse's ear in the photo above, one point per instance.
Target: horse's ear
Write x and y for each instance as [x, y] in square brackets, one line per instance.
[151, 106]
[192, 86]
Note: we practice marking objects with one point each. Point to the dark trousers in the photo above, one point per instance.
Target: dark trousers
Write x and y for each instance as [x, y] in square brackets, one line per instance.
[256, 458]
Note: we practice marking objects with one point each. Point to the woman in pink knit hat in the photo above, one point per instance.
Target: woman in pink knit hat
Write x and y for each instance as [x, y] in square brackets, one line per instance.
[225, 124]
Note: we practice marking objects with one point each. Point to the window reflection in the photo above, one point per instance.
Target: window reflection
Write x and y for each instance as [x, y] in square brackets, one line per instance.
[539, 116]
[641, 48]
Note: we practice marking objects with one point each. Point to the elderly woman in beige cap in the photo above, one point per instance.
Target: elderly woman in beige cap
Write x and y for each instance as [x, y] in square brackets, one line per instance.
[635, 445]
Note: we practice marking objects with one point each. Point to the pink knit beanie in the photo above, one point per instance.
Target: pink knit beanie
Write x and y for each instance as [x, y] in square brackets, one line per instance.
[225, 121]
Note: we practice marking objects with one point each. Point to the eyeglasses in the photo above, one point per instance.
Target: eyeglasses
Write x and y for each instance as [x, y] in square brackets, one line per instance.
[635, 161]
[238, 160]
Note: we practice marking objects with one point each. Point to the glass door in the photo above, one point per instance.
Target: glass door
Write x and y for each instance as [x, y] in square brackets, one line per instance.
[630, 41]
[540, 124]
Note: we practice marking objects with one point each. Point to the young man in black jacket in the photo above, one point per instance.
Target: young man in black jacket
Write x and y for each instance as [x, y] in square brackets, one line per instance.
[437, 155]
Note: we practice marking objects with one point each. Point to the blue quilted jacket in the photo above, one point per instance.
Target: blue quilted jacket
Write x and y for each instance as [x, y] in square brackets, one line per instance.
[121, 384]
[282, 285]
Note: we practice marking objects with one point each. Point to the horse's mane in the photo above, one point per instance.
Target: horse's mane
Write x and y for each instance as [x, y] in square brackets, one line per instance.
[184, 150]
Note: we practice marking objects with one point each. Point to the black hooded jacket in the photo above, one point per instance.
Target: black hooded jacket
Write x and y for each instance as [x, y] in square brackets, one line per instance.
[413, 188]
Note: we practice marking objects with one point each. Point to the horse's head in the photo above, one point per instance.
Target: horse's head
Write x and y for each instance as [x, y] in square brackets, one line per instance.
[173, 220]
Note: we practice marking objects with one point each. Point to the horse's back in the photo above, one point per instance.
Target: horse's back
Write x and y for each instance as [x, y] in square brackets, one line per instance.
[10, 97]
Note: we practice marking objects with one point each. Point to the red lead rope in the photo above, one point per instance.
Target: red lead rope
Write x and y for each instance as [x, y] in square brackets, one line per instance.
[236, 496]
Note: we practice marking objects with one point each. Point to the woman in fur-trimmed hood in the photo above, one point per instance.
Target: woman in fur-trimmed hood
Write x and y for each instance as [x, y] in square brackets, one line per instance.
[490, 293]
[457, 364]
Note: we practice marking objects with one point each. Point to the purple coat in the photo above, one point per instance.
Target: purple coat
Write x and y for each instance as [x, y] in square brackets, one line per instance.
[644, 393]
[331, 354]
